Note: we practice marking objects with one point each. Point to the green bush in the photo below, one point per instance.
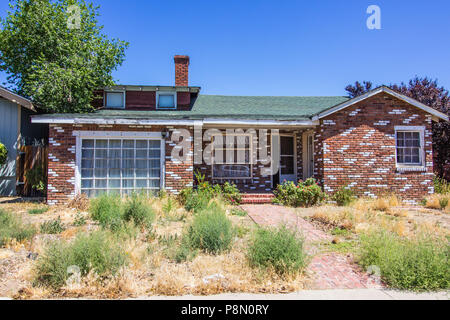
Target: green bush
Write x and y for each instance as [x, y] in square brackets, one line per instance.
[211, 231]
[3, 154]
[344, 196]
[107, 210]
[443, 202]
[441, 185]
[52, 226]
[304, 194]
[12, 228]
[38, 210]
[97, 251]
[231, 193]
[36, 177]
[420, 264]
[136, 209]
[196, 200]
[279, 249]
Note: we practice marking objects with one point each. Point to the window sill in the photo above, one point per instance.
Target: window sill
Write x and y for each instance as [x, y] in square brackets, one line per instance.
[411, 168]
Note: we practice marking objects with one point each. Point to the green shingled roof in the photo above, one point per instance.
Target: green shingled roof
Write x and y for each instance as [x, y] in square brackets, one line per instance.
[230, 107]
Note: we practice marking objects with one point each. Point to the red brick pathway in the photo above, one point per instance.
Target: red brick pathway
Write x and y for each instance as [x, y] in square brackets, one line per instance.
[328, 270]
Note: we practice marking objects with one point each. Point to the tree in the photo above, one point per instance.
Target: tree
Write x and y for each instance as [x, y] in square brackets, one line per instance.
[52, 60]
[358, 89]
[3, 154]
[428, 92]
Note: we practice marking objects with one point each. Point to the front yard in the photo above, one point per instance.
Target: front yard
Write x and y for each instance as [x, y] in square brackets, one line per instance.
[143, 246]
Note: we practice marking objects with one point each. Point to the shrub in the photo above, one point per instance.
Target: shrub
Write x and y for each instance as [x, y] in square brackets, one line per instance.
[443, 202]
[79, 220]
[238, 212]
[304, 194]
[52, 227]
[36, 177]
[211, 231]
[3, 154]
[12, 228]
[344, 196]
[197, 201]
[231, 193]
[418, 264]
[279, 249]
[107, 210]
[38, 210]
[137, 210]
[95, 252]
[441, 185]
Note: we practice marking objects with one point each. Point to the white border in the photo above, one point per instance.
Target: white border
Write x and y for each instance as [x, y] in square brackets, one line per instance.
[174, 93]
[79, 135]
[105, 100]
[413, 166]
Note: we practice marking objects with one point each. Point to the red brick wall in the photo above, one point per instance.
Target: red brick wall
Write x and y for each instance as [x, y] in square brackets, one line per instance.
[356, 147]
[181, 70]
[62, 162]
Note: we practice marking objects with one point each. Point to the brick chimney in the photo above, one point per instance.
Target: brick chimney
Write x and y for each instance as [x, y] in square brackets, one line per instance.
[181, 70]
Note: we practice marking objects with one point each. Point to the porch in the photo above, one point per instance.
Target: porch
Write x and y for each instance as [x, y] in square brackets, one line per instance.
[257, 160]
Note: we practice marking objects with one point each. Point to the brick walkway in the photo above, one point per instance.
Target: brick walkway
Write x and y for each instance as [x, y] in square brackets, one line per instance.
[327, 270]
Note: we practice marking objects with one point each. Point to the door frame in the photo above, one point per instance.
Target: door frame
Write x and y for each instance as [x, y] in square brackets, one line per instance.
[294, 141]
[306, 164]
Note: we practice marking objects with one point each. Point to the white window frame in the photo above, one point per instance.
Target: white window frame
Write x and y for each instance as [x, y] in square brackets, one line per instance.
[82, 135]
[105, 98]
[174, 93]
[413, 166]
[224, 149]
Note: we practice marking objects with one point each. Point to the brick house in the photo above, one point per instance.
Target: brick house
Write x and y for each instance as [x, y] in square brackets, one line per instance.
[154, 137]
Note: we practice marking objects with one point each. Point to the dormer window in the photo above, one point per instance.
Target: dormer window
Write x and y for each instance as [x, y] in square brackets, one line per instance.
[166, 100]
[115, 99]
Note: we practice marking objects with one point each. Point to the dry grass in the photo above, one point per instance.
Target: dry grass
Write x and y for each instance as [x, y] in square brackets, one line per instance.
[150, 270]
[365, 215]
[435, 201]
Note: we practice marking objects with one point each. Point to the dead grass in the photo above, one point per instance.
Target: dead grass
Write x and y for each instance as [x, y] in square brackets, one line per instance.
[435, 201]
[150, 270]
[365, 215]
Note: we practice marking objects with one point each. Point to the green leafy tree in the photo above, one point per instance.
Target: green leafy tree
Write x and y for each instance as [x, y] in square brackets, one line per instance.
[54, 52]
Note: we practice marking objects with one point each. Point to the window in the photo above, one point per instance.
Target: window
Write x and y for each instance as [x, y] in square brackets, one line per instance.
[115, 100]
[231, 156]
[409, 146]
[166, 100]
[120, 165]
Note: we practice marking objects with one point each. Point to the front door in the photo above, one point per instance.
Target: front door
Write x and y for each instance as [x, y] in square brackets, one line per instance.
[287, 159]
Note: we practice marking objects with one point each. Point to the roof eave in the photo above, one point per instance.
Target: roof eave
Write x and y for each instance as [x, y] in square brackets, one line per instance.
[13, 97]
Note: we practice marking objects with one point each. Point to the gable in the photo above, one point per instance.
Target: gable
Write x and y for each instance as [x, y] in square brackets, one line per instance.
[377, 91]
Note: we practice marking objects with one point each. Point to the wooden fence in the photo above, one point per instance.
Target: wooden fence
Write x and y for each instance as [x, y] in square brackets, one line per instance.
[30, 157]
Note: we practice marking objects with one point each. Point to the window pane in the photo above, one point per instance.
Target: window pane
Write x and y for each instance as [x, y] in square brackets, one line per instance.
[87, 153]
[87, 164]
[154, 183]
[154, 144]
[87, 143]
[101, 143]
[121, 165]
[115, 144]
[166, 101]
[114, 100]
[142, 144]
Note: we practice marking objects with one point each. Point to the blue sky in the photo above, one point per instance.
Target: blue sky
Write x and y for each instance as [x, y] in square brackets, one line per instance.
[240, 47]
